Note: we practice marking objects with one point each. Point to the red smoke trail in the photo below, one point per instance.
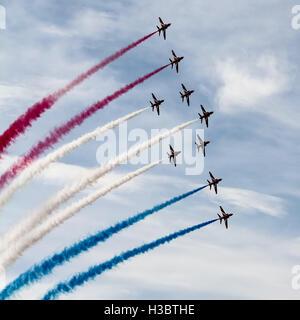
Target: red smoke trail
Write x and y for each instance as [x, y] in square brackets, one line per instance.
[59, 132]
[34, 112]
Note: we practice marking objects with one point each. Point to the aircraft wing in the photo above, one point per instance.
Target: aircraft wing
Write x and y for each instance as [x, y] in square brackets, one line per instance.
[216, 188]
[226, 223]
[183, 87]
[164, 33]
[206, 121]
[188, 100]
[202, 108]
[177, 153]
[199, 138]
[177, 67]
[157, 108]
[200, 117]
[153, 96]
[222, 209]
[171, 148]
[211, 175]
[160, 20]
[174, 54]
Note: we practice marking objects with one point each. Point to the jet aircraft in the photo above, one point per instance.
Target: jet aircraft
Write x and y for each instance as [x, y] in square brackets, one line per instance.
[214, 182]
[225, 216]
[173, 155]
[163, 27]
[156, 103]
[175, 61]
[202, 144]
[206, 115]
[186, 94]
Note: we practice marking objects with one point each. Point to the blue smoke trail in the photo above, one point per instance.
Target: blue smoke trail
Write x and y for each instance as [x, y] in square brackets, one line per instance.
[80, 278]
[38, 271]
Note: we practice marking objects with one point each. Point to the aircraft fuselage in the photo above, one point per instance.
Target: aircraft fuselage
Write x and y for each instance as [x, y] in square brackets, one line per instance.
[165, 26]
[216, 181]
[226, 216]
[188, 93]
[159, 102]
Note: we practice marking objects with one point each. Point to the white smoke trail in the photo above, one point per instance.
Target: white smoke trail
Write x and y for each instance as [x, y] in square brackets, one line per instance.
[11, 255]
[40, 165]
[68, 192]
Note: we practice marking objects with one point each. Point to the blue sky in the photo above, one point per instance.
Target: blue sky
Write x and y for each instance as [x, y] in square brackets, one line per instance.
[242, 59]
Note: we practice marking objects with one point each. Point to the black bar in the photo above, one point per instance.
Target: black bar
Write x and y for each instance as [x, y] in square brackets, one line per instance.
[155, 309]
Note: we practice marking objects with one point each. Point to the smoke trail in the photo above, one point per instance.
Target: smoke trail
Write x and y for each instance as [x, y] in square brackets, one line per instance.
[19, 126]
[68, 192]
[59, 132]
[53, 222]
[80, 278]
[38, 166]
[44, 268]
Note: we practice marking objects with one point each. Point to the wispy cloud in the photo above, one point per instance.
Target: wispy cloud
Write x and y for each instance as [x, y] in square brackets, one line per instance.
[250, 201]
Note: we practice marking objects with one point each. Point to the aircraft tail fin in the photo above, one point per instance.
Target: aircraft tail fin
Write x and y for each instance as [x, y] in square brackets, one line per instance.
[200, 117]
[220, 219]
[182, 96]
[209, 184]
[159, 30]
[169, 156]
[152, 105]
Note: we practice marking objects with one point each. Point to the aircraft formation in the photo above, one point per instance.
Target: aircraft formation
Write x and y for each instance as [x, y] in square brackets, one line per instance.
[205, 115]
[31, 223]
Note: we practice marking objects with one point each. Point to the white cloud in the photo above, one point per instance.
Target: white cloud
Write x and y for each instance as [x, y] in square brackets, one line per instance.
[11, 93]
[7, 92]
[246, 85]
[250, 200]
[86, 23]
